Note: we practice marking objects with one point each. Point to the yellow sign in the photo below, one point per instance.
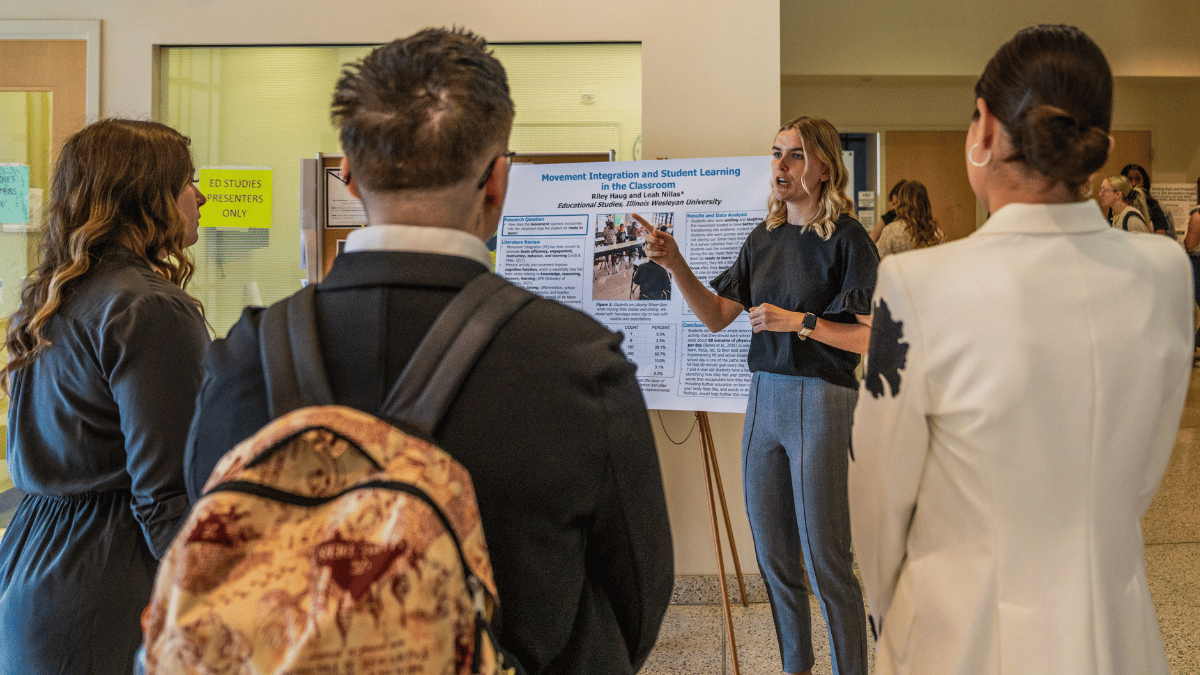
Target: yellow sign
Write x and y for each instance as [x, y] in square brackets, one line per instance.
[236, 197]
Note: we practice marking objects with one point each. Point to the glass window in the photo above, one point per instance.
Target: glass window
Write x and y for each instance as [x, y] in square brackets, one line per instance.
[268, 107]
[25, 122]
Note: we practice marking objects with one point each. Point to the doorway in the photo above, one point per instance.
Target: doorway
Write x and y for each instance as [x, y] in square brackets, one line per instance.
[936, 158]
[49, 88]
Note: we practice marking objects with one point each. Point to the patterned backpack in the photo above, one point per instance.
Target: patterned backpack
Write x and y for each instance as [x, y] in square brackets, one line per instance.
[331, 541]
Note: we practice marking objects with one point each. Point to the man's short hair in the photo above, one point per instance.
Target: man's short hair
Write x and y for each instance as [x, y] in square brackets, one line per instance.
[419, 112]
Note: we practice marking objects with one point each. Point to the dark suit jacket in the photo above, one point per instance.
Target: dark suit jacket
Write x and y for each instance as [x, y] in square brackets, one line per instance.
[550, 423]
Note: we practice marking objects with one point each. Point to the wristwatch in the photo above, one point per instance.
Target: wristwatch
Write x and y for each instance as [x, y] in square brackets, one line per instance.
[810, 322]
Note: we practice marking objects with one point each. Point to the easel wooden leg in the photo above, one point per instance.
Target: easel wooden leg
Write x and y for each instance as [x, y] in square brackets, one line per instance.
[707, 441]
[711, 468]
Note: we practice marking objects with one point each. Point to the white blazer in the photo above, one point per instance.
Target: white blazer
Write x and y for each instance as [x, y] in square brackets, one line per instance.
[1022, 394]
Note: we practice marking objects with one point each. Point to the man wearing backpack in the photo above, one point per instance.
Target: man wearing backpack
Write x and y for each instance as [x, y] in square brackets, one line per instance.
[550, 423]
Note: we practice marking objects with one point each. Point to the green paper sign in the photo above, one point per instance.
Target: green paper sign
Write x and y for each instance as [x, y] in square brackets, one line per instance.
[14, 193]
[236, 197]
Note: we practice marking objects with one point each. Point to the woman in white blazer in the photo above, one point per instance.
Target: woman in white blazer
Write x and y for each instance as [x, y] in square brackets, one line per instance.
[1023, 390]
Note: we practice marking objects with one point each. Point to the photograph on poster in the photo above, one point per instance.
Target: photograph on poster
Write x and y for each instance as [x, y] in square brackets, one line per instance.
[618, 259]
[650, 281]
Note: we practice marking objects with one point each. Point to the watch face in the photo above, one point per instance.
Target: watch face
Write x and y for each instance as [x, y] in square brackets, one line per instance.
[810, 321]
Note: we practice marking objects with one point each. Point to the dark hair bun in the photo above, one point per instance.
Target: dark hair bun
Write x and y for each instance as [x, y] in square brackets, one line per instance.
[1054, 144]
[1051, 89]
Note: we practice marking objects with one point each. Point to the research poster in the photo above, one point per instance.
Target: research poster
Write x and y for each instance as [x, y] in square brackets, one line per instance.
[568, 233]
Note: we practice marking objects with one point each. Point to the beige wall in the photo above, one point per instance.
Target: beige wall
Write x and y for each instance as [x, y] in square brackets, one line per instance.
[957, 37]
[704, 95]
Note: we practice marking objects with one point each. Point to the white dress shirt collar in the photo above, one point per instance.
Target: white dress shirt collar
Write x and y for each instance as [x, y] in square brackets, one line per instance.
[415, 239]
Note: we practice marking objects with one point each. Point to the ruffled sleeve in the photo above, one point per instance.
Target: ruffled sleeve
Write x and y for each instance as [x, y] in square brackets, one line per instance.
[858, 285]
[852, 300]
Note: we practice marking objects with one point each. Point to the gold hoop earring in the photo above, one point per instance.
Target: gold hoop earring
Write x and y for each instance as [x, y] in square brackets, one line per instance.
[971, 159]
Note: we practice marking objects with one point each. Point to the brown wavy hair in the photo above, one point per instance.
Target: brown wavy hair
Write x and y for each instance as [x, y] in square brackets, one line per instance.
[913, 207]
[115, 182]
[821, 142]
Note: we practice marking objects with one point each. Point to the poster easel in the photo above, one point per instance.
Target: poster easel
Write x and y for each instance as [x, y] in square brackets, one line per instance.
[713, 470]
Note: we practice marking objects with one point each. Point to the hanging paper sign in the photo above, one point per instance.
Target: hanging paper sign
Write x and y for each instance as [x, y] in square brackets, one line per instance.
[237, 197]
[1177, 201]
[342, 208]
[14, 193]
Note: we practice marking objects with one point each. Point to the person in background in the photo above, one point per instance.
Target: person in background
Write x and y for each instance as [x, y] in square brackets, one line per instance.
[610, 233]
[1139, 178]
[890, 214]
[651, 281]
[1191, 242]
[914, 226]
[1022, 394]
[104, 366]
[551, 423]
[805, 276]
[1124, 203]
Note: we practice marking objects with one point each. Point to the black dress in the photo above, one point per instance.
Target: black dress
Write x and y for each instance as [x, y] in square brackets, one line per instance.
[96, 432]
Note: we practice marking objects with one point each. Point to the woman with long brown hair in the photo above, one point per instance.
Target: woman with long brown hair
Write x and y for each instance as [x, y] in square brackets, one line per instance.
[104, 367]
[914, 226]
[1191, 242]
[889, 215]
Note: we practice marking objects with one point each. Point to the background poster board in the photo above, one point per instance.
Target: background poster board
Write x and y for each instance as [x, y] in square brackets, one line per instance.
[14, 194]
[1177, 200]
[342, 209]
[567, 234]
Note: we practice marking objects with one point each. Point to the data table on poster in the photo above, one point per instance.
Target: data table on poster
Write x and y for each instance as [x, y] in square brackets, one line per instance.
[652, 348]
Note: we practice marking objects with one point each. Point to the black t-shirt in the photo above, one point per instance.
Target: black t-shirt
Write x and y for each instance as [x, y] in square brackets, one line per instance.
[798, 271]
[653, 281]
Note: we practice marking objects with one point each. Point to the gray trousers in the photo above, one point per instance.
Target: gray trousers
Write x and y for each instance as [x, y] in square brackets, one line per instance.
[794, 465]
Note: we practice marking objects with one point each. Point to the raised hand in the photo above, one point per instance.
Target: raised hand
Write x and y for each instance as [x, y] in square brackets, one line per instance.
[660, 246]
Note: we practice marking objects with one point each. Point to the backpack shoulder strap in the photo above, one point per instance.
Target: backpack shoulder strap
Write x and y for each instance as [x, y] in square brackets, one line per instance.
[448, 352]
[290, 351]
[1125, 220]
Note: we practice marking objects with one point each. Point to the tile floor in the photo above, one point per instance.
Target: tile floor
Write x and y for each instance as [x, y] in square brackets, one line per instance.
[693, 637]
